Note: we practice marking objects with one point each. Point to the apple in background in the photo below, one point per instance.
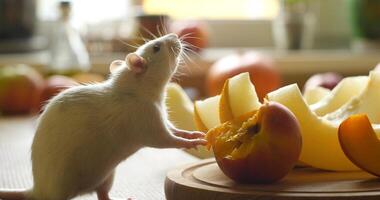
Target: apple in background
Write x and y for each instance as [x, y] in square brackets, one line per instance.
[20, 89]
[53, 85]
[192, 32]
[263, 73]
[258, 147]
[326, 80]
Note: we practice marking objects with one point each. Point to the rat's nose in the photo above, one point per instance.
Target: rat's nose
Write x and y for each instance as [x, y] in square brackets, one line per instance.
[172, 36]
[174, 43]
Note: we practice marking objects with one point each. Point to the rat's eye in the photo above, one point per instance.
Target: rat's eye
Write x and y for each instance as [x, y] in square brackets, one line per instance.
[156, 47]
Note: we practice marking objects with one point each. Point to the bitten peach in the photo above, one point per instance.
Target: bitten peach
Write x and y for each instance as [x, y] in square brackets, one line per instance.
[258, 147]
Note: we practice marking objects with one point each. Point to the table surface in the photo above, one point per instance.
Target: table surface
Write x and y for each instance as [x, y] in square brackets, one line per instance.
[141, 176]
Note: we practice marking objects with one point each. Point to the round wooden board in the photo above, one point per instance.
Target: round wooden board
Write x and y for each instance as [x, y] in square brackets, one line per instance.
[204, 181]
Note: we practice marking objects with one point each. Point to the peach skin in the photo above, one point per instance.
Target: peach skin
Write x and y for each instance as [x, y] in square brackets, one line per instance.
[360, 143]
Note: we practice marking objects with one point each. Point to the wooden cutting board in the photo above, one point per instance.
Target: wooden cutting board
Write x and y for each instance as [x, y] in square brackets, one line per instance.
[204, 180]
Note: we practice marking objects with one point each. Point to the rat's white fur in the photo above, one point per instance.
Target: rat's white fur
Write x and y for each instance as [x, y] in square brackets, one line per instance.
[86, 131]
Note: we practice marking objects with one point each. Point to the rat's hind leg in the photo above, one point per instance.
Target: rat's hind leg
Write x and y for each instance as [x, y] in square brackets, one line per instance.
[103, 190]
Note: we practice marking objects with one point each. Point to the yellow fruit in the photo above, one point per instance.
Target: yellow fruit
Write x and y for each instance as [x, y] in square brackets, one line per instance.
[342, 93]
[315, 94]
[365, 103]
[321, 148]
[206, 113]
[179, 107]
[181, 113]
[238, 97]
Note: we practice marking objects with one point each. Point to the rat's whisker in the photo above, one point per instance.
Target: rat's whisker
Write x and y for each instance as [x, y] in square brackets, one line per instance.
[149, 32]
[159, 30]
[143, 38]
[165, 31]
[185, 35]
[190, 37]
[186, 44]
[185, 53]
[192, 52]
[125, 43]
[188, 57]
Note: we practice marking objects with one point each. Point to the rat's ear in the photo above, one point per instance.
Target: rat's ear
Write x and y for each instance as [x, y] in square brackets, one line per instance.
[136, 63]
[116, 64]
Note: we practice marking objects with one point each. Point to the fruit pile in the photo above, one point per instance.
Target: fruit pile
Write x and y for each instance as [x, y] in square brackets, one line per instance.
[261, 142]
[24, 90]
[252, 142]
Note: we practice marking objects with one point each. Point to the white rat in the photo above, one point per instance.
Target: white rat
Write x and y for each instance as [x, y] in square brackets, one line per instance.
[86, 131]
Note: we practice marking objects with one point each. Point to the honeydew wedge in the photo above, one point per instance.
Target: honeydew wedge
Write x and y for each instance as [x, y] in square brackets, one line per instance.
[180, 108]
[320, 144]
[365, 103]
[237, 98]
[180, 111]
[206, 113]
[315, 94]
[347, 89]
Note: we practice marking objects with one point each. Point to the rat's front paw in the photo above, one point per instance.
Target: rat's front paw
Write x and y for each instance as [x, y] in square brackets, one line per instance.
[189, 134]
[189, 143]
[186, 139]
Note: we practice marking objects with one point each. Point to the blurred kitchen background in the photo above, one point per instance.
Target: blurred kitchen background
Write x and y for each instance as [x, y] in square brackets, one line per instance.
[61, 43]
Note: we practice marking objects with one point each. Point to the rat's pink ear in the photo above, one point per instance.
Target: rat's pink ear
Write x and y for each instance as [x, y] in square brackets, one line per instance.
[116, 64]
[136, 63]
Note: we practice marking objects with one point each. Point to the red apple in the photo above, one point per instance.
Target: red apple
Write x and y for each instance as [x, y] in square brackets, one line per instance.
[54, 85]
[20, 89]
[258, 147]
[192, 32]
[262, 71]
[326, 80]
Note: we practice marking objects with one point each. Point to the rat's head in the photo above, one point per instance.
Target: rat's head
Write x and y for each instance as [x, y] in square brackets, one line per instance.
[161, 54]
[155, 60]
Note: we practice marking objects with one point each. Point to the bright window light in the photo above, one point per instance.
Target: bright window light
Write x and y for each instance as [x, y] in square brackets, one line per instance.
[91, 11]
[213, 9]
[87, 11]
